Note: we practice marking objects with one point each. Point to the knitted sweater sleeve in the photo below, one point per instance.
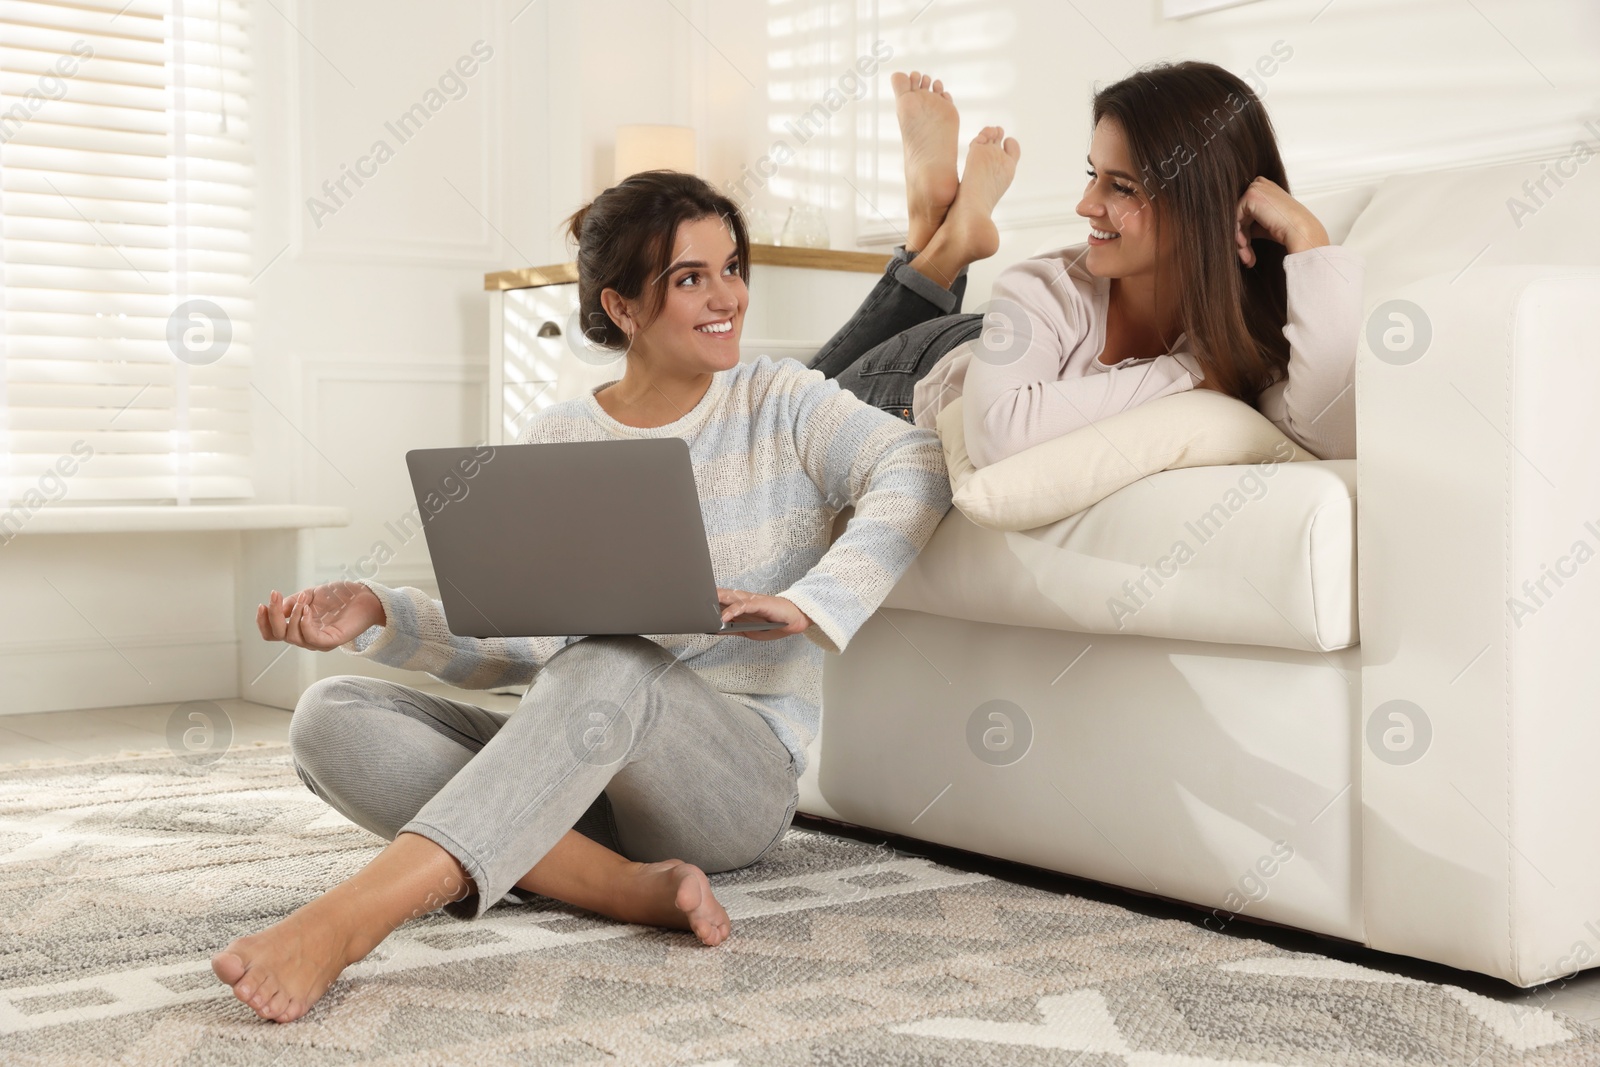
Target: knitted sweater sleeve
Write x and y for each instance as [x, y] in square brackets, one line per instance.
[416, 637]
[892, 472]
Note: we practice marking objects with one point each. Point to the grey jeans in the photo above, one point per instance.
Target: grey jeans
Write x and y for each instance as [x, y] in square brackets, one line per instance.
[615, 738]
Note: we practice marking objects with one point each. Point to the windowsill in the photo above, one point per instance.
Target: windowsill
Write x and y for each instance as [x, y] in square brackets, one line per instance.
[155, 518]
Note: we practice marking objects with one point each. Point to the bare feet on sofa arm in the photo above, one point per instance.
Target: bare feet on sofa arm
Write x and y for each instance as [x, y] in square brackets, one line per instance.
[968, 232]
[929, 127]
[283, 970]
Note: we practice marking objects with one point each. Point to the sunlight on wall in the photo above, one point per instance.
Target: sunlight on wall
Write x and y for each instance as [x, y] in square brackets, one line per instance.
[969, 45]
[841, 124]
[807, 53]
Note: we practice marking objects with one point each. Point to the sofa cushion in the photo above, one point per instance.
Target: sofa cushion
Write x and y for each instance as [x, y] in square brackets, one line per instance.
[1260, 554]
[1452, 221]
[1061, 477]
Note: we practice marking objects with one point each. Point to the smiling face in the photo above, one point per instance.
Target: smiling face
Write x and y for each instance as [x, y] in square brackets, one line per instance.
[1122, 241]
[697, 330]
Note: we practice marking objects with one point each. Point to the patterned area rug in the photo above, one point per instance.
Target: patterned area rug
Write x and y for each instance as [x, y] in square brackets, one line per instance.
[119, 878]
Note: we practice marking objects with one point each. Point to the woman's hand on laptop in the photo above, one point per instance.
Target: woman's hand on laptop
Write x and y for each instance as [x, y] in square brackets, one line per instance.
[736, 603]
[320, 618]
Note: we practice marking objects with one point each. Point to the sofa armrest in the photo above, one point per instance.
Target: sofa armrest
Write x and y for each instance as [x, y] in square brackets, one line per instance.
[1478, 480]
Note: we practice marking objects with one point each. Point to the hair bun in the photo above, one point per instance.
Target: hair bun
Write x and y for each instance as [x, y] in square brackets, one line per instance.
[575, 223]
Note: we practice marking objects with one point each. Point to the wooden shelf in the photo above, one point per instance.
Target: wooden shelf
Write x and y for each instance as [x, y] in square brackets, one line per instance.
[531, 277]
[768, 255]
[819, 258]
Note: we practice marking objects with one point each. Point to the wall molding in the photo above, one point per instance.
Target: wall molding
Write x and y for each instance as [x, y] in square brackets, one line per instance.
[73, 673]
[438, 372]
[307, 172]
[452, 371]
[1527, 142]
[314, 374]
[42, 646]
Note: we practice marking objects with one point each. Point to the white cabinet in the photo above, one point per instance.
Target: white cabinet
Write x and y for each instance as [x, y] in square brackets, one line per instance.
[535, 368]
[798, 298]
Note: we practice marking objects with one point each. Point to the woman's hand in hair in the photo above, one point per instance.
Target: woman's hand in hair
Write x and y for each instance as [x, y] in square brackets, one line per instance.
[736, 603]
[1267, 210]
[320, 618]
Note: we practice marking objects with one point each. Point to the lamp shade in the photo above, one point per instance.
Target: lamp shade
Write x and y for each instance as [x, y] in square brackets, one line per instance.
[654, 148]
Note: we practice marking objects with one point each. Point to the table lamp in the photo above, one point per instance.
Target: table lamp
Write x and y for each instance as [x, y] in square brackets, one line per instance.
[654, 148]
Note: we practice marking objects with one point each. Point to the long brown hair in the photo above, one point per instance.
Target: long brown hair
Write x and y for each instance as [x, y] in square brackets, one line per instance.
[1199, 136]
[625, 239]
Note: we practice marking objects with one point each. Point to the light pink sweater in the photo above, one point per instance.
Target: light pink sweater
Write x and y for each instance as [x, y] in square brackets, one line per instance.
[1036, 374]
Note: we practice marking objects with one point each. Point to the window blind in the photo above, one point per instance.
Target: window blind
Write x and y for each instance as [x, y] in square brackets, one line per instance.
[125, 188]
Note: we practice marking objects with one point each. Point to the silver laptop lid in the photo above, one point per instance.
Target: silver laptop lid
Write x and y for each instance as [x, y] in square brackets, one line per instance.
[580, 538]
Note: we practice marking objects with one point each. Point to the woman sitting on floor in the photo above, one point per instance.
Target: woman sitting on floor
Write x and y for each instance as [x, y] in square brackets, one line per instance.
[703, 736]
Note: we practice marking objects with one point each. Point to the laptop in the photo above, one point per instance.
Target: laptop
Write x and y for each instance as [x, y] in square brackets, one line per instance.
[569, 539]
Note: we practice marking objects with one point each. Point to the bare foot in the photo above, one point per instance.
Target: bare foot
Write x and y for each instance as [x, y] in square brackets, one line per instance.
[991, 165]
[969, 233]
[928, 129]
[283, 970]
[676, 894]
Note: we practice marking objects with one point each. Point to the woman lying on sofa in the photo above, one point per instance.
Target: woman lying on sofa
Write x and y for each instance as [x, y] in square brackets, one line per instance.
[704, 736]
[1200, 272]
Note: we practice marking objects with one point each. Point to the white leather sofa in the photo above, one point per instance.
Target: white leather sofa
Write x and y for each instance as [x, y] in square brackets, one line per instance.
[1333, 718]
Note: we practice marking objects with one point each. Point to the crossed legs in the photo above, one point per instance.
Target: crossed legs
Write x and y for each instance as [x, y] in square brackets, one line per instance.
[476, 803]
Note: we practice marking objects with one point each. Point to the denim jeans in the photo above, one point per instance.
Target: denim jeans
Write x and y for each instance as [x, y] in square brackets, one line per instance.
[895, 337]
[615, 739]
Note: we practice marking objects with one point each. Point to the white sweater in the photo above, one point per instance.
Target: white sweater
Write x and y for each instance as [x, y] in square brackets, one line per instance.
[1041, 377]
[778, 451]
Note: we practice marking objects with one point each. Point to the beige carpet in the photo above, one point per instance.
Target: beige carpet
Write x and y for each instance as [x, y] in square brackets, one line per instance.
[119, 878]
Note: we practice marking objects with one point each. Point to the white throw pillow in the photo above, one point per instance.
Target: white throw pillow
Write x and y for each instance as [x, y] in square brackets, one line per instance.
[1050, 481]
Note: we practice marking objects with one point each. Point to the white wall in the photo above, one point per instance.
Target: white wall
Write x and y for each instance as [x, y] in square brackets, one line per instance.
[373, 335]
[93, 620]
